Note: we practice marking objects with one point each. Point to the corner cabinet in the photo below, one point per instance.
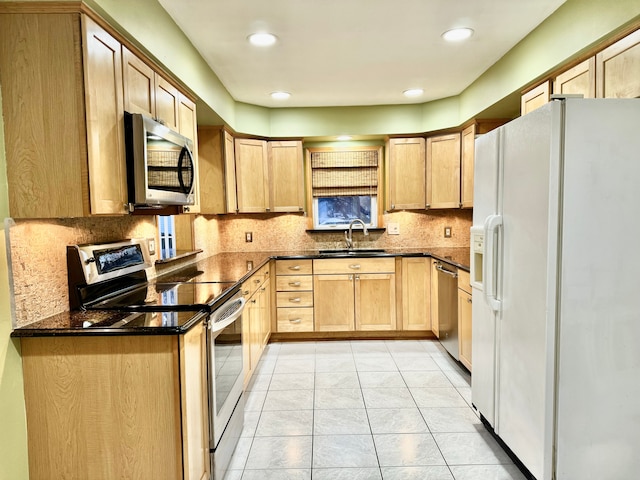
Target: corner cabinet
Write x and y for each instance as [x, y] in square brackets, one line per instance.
[61, 77]
[131, 406]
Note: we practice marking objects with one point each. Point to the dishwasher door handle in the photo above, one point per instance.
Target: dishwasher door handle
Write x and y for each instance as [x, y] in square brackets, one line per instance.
[443, 270]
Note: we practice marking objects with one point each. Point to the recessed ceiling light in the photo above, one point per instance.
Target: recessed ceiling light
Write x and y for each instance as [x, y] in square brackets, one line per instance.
[344, 138]
[262, 39]
[457, 34]
[280, 95]
[413, 92]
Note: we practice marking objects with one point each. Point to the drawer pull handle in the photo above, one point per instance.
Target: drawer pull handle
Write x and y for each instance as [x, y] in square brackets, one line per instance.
[355, 266]
[469, 300]
[257, 280]
[245, 292]
[294, 267]
[295, 320]
[295, 300]
[294, 284]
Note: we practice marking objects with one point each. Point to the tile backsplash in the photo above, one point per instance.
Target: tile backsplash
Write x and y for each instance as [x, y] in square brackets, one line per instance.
[38, 247]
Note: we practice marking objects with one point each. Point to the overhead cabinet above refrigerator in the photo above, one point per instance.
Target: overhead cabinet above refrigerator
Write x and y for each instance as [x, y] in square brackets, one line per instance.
[554, 275]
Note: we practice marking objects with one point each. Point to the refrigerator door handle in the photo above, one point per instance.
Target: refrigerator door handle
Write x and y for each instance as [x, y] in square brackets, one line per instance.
[491, 225]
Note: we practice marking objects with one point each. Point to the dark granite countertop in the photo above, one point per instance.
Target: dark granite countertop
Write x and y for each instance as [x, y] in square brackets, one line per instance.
[228, 267]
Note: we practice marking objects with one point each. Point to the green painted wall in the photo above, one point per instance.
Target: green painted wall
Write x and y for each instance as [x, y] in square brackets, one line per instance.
[13, 437]
[574, 27]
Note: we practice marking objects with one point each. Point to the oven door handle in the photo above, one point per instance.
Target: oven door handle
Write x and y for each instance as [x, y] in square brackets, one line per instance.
[218, 326]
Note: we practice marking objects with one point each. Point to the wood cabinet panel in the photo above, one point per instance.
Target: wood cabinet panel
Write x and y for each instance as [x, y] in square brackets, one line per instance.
[295, 319]
[578, 80]
[464, 327]
[294, 267]
[105, 118]
[211, 170]
[286, 176]
[406, 173]
[464, 280]
[435, 322]
[354, 265]
[618, 68]
[252, 175]
[119, 406]
[294, 299]
[535, 98]
[139, 85]
[45, 141]
[443, 171]
[167, 101]
[375, 301]
[468, 147]
[416, 293]
[333, 303]
[195, 403]
[231, 193]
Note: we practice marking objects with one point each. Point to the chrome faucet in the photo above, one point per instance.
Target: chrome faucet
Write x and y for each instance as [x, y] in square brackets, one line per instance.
[348, 238]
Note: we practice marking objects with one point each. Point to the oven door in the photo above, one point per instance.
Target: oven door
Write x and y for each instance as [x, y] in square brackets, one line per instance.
[225, 365]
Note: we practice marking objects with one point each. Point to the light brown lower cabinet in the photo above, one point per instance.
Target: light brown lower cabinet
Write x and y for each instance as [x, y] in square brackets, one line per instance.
[435, 322]
[117, 406]
[362, 300]
[294, 296]
[464, 318]
[416, 293]
[256, 319]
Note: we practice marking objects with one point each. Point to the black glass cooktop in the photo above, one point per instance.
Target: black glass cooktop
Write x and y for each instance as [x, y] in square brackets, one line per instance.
[168, 297]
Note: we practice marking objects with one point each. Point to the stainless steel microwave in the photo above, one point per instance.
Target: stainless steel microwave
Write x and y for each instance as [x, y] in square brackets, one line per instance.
[160, 166]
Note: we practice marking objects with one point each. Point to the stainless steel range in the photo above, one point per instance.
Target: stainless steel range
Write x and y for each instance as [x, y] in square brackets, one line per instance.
[114, 277]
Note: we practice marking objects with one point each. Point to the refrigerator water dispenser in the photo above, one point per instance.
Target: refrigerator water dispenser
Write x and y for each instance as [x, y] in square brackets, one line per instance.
[477, 257]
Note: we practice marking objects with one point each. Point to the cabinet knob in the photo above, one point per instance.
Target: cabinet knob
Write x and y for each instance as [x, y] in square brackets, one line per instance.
[186, 209]
[428, 205]
[253, 301]
[393, 207]
[295, 320]
[469, 300]
[246, 292]
[357, 277]
[294, 267]
[354, 266]
[257, 280]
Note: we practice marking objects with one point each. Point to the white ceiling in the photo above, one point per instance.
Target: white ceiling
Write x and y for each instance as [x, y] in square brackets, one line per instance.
[353, 52]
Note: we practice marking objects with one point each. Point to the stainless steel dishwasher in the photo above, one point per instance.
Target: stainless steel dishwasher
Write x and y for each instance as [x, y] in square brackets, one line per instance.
[448, 307]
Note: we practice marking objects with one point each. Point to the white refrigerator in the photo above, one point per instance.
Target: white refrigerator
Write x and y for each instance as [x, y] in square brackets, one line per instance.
[555, 272]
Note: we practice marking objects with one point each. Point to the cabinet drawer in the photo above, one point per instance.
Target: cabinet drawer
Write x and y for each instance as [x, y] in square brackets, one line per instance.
[354, 265]
[290, 283]
[464, 281]
[295, 319]
[294, 267]
[254, 281]
[295, 299]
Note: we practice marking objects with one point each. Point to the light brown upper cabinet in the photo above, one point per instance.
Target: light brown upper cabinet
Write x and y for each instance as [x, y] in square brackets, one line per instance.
[229, 162]
[61, 78]
[148, 93]
[286, 176]
[443, 171]
[466, 163]
[580, 79]
[535, 98]
[188, 126]
[406, 175]
[211, 169]
[252, 175]
[618, 68]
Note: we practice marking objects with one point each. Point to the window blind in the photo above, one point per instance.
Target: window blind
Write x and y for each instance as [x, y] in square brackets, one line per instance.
[344, 173]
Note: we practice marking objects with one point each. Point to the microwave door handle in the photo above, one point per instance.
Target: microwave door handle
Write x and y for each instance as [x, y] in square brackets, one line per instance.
[186, 152]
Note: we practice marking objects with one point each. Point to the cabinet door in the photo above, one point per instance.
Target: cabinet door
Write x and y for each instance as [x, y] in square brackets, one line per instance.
[231, 194]
[252, 180]
[535, 98]
[375, 301]
[105, 120]
[265, 313]
[435, 322]
[195, 413]
[333, 303]
[286, 177]
[139, 85]
[618, 69]
[255, 324]
[247, 321]
[211, 170]
[443, 171]
[188, 126]
[416, 293]
[464, 327]
[167, 103]
[406, 174]
[580, 79]
[467, 161]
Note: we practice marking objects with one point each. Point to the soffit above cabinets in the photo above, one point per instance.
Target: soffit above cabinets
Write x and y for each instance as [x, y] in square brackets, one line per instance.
[353, 52]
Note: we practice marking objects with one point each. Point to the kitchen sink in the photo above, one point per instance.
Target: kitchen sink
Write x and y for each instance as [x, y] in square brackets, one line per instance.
[354, 252]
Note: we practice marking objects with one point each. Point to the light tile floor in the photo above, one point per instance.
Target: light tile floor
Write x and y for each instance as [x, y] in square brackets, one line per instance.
[364, 410]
